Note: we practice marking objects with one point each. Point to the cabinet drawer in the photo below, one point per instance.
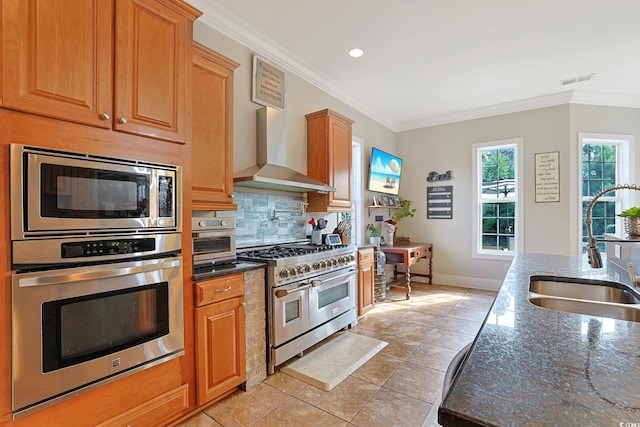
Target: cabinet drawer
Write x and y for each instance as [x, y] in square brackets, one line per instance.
[219, 289]
[365, 255]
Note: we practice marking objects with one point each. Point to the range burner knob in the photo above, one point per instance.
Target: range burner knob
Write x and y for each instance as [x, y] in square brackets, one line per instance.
[292, 271]
[316, 265]
[352, 257]
[300, 269]
[284, 273]
[341, 260]
[323, 264]
[334, 262]
[306, 268]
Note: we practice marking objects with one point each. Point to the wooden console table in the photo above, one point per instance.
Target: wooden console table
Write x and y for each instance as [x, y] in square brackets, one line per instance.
[407, 254]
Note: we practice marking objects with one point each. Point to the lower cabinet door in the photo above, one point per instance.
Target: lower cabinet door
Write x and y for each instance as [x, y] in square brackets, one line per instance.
[220, 356]
[365, 288]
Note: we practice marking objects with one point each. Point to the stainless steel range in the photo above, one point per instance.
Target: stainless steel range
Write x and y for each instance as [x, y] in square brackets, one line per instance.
[311, 294]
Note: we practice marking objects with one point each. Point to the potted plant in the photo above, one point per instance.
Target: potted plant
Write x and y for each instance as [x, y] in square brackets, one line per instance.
[631, 221]
[374, 234]
[404, 211]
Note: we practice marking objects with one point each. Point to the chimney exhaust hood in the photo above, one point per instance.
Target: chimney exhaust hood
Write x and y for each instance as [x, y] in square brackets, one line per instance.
[271, 171]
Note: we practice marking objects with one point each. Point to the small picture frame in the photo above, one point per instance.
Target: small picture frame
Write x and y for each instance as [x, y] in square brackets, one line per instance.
[375, 201]
[384, 200]
[393, 201]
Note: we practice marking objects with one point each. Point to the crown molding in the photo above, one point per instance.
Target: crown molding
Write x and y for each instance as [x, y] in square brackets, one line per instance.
[220, 19]
[543, 101]
[223, 21]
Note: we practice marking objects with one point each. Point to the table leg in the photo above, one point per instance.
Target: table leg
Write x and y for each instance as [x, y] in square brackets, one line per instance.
[408, 283]
[430, 271]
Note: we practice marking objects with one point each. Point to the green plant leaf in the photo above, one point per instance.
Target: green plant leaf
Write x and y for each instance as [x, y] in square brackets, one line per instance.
[633, 212]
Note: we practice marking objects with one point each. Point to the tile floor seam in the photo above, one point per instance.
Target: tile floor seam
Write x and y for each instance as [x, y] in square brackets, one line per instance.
[438, 304]
[324, 410]
[275, 408]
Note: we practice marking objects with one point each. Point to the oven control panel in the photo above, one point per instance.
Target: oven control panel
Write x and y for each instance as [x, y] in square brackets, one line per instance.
[106, 247]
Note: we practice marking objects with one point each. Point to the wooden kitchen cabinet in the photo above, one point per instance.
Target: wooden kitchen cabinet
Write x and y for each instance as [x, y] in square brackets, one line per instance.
[121, 65]
[155, 411]
[212, 131]
[220, 340]
[329, 160]
[366, 271]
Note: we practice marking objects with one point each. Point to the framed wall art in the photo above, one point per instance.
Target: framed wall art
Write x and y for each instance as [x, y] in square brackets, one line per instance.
[547, 177]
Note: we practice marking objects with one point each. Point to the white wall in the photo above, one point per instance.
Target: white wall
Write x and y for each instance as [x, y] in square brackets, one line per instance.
[550, 228]
[301, 98]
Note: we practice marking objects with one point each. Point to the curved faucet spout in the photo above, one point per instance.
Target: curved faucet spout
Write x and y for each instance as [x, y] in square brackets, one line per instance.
[593, 253]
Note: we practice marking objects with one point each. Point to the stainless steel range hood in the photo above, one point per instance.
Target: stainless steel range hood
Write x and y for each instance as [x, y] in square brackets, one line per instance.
[271, 171]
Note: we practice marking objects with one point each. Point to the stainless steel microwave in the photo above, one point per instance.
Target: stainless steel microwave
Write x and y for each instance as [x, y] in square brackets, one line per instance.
[62, 193]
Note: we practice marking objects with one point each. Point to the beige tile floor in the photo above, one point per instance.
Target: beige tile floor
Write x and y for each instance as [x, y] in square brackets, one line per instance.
[397, 387]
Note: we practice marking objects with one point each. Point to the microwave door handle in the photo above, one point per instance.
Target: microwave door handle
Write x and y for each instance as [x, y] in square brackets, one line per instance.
[281, 293]
[318, 282]
[77, 274]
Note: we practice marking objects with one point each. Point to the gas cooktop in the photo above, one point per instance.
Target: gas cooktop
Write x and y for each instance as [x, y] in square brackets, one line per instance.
[287, 251]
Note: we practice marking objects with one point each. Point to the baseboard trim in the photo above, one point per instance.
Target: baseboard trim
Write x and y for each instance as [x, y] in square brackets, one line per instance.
[462, 281]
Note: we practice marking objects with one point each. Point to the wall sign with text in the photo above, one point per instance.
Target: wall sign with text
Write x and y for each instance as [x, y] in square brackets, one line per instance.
[434, 176]
[440, 202]
[547, 177]
[268, 84]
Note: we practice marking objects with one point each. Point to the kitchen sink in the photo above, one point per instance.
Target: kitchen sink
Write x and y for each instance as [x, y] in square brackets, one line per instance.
[585, 296]
[584, 289]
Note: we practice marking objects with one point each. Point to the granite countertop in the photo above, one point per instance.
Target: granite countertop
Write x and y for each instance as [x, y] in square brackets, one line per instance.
[535, 366]
[238, 267]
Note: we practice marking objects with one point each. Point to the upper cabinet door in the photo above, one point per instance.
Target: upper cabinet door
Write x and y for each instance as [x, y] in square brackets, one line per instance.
[152, 69]
[212, 131]
[329, 159]
[56, 59]
[340, 159]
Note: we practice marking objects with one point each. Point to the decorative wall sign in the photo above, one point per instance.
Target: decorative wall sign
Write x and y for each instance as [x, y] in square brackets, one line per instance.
[435, 176]
[440, 202]
[268, 84]
[547, 177]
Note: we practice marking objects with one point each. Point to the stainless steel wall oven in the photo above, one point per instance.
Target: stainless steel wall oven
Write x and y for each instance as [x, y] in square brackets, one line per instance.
[98, 288]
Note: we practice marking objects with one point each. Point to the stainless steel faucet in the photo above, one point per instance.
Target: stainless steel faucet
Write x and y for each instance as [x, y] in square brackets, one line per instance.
[595, 259]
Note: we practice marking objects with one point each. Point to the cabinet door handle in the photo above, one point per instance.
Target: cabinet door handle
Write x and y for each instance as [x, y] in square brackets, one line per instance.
[105, 116]
[227, 289]
[122, 120]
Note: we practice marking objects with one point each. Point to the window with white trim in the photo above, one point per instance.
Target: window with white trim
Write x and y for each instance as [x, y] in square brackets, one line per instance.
[497, 216]
[604, 162]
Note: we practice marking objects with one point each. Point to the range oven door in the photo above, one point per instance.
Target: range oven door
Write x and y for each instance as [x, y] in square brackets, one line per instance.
[290, 312]
[331, 294]
[75, 328]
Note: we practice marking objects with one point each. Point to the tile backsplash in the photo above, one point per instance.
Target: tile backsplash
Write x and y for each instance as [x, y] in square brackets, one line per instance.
[255, 222]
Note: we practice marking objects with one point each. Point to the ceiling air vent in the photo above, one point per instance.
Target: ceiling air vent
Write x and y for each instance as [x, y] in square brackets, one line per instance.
[578, 79]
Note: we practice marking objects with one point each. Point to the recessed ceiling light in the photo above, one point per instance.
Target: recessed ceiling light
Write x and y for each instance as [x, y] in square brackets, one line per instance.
[356, 53]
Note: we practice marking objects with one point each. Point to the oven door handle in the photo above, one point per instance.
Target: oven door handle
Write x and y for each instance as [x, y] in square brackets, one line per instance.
[318, 282]
[79, 274]
[281, 293]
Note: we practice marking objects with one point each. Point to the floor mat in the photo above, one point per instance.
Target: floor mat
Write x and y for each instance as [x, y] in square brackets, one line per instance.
[326, 366]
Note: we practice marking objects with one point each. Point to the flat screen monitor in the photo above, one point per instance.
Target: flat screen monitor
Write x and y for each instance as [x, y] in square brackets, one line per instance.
[384, 172]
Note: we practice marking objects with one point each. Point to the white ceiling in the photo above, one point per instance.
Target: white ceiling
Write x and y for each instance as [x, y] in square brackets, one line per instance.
[435, 61]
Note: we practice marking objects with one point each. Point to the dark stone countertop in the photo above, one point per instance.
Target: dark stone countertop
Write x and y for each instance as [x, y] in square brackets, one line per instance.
[238, 267]
[535, 366]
